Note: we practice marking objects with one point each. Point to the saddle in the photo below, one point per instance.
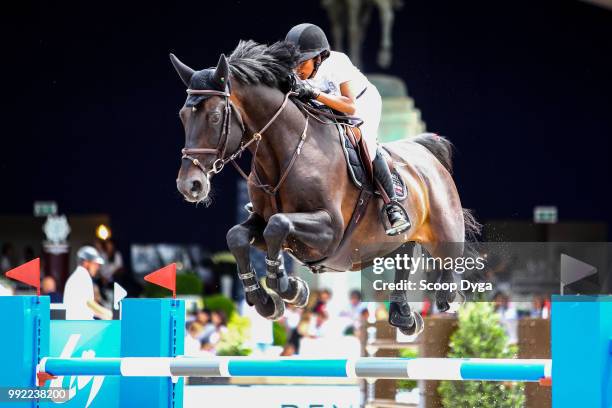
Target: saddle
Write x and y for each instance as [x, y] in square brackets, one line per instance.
[358, 160]
[359, 163]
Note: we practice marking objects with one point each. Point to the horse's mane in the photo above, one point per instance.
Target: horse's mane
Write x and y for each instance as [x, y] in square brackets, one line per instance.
[252, 63]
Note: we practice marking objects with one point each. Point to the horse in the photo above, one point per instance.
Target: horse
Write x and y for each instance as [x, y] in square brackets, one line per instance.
[303, 200]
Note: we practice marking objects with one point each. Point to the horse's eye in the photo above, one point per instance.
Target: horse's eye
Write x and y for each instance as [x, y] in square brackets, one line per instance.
[214, 117]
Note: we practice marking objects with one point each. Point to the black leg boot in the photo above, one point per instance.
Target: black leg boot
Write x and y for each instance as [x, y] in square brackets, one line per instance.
[398, 219]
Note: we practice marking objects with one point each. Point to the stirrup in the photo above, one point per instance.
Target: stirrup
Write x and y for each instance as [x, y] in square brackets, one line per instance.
[398, 229]
[392, 231]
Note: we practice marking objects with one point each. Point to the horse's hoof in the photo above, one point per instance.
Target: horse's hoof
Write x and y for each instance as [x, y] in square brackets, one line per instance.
[299, 290]
[416, 329]
[444, 298]
[279, 306]
[400, 315]
[273, 308]
[457, 303]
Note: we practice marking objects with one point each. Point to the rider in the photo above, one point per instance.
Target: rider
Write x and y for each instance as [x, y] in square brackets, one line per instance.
[329, 77]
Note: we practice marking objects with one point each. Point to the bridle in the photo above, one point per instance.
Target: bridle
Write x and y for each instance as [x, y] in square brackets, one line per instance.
[221, 149]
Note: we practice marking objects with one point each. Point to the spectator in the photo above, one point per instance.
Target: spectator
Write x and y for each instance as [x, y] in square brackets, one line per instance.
[540, 307]
[49, 288]
[192, 340]
[289, 350]
[354, 311]
[292, 318]
[319, 322]
[322, 299]
[5, 290]
[325, 296]
[113, 261]
[203, 318]
[219, 320]
[79, 290]
[6, 257]
[503, 306]
[110, 270]
[508, 315]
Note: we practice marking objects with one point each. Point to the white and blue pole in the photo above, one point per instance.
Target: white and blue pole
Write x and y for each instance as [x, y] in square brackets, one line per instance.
[416, 368]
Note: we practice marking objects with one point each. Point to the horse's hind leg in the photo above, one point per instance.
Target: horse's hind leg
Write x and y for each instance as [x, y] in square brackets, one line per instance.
[440, 251]
[268, 305]
[401, 316]
[311, 229]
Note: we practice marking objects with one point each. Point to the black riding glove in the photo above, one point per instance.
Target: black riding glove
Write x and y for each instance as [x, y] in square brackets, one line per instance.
[305, 92]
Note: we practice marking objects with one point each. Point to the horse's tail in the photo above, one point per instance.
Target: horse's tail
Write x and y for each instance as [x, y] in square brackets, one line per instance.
[472, 226]
[439, 146]
[442, 149]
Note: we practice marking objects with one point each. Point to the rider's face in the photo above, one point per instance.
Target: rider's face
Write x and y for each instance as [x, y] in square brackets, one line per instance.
[306, 68]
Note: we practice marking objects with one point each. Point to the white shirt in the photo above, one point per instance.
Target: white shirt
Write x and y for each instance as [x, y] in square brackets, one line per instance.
[335, 70]
[77, 292]
[192, 346]
[5, 291]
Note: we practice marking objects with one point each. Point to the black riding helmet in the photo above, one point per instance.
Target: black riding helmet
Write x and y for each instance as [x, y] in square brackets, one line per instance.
[311, 40]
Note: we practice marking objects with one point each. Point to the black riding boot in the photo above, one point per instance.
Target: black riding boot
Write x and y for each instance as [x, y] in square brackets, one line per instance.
[398, 219]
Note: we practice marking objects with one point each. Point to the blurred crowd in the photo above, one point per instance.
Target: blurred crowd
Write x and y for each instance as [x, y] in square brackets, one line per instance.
[322, 320]
[319, 319]
[100, 265]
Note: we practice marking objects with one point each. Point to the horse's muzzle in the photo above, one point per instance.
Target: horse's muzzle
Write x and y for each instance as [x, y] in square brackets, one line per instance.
[194, 188]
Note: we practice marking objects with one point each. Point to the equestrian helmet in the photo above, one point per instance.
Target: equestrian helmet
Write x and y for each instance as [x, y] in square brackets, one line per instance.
[311, 41]
[89, 253]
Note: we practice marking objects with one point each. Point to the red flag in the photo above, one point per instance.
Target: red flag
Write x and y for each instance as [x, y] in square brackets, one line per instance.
[164, 277]
[28, 273]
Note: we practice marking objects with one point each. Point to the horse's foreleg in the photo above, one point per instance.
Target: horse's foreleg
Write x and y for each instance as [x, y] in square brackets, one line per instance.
[239, 239]
[314, 230]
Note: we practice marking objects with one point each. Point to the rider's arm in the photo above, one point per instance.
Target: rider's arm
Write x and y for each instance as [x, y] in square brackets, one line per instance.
[343, 103]
[100, 311]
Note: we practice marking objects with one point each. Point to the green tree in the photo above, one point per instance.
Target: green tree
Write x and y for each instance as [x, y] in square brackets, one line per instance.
[480, 335]
[233, 340]
[407, 385]
[220, 302]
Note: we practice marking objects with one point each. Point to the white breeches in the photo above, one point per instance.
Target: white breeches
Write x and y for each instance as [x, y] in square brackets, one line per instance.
[369, 109]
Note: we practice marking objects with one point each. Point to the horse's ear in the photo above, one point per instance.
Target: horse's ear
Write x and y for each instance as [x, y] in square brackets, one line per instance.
[183, 70]
[221, 75]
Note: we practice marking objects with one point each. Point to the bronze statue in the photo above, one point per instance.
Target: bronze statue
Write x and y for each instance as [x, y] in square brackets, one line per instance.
[353, 17]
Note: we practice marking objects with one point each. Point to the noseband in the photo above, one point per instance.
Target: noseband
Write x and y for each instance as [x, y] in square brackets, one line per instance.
[221, 149]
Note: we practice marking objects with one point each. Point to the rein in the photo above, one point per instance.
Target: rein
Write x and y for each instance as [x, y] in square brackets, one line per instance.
[335, 119]
[220, 150]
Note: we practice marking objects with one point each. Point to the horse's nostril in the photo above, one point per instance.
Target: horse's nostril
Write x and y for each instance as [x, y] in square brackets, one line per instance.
[196, 186]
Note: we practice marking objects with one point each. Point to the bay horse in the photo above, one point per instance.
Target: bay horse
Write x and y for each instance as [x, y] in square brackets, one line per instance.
[303, 199]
